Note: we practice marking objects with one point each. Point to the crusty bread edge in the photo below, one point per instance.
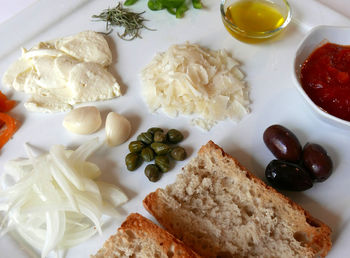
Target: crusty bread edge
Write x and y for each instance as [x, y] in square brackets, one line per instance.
[138, 224]
[321, 242]
[161, 236]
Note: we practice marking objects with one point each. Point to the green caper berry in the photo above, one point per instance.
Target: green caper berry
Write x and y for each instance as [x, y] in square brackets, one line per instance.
[132, 161]
[147, 154]
[146, 138]
[152, 130]
[174, 136]
[178, 153]
[136, 146]
[159, 137]
[162, 161]
[152, 172]
[160, 148]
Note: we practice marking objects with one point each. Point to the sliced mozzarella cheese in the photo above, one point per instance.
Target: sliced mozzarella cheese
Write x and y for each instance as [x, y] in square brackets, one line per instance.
[83, 79]
[64, 64]
[47, 76]
[60, 73]
[18, 67]
[87, 46]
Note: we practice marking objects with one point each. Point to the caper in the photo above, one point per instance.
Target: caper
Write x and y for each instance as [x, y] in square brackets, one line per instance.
[132, 161]
[146, 138]
[136, 146]
[162, 161]
[178, 153]
[160, 148]
[147, 154]
[159, 137]
[152, 130]
[152, 172]
[174, 136]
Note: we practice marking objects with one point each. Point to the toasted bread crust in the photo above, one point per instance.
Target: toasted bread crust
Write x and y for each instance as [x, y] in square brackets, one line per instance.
[321, 241]
[144, 229]
[320, 244]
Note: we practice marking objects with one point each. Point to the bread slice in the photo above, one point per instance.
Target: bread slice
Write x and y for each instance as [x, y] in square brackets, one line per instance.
[220, 209]
[139, 237]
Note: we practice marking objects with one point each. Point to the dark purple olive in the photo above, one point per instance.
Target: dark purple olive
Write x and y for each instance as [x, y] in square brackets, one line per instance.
[282, 143]
[317, 162]
[287, 176]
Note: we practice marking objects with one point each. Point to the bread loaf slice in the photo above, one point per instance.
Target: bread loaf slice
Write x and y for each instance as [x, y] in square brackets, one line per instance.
[139, 237]
[220, 209]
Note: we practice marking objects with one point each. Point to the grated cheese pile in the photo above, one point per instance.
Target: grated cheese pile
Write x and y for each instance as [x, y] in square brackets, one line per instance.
[191, 80]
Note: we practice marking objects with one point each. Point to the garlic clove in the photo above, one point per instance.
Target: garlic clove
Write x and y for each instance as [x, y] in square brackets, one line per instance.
[118, 129]
[83, 120]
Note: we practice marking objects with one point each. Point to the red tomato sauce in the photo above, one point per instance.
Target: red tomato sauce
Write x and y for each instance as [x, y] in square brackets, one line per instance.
[325, 77]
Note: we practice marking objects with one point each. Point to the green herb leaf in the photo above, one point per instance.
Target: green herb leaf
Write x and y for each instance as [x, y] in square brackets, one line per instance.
[130, 2]
[181, 11]
[171, 10]
[172, 3]
[155, 5]
[197, 4]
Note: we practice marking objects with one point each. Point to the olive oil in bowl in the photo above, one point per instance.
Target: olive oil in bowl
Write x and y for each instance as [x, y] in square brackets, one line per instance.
[255, 20]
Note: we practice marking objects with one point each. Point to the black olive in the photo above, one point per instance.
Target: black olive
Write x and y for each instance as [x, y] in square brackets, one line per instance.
[287, 176]
[316, 160]
[282, 143]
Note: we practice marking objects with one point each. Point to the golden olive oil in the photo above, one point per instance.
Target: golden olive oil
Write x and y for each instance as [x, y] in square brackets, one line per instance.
[253, 17]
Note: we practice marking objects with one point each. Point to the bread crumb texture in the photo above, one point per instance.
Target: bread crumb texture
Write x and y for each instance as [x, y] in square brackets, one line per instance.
[219, 209]
[139, 237]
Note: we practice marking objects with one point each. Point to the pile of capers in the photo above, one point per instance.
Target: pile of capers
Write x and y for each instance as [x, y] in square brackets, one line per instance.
[155, 145]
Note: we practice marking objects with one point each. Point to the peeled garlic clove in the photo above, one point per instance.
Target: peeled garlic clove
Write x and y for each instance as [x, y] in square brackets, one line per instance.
[118, 129]
[83, 120]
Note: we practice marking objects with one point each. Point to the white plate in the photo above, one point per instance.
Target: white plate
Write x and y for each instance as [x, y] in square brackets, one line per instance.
[269, 75]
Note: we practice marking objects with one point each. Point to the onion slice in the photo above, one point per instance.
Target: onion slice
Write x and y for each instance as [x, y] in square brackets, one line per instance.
[54, 201]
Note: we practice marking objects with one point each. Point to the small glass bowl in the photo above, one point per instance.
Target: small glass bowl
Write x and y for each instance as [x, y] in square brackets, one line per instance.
[255, 37]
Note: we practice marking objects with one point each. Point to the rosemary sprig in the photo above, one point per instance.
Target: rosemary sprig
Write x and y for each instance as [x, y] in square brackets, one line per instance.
[119, 16]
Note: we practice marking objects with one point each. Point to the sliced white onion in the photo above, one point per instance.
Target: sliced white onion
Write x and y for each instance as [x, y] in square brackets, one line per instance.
[62, 162]
[53, 201]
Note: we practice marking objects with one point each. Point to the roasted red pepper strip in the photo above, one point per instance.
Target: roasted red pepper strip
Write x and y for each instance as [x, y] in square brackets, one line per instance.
[11, 127]
[6, 104]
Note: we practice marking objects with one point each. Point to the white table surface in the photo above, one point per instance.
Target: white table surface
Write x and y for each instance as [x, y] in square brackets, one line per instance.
[335, 212]
[9, 8]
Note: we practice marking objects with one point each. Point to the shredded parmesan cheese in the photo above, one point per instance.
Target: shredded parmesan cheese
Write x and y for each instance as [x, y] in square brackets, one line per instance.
[191, 80]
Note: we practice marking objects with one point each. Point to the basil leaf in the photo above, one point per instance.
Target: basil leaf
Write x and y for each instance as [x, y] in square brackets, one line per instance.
[181, 11]
[130, 2]
[155, 5]
[171, 10]
[172, 3]
[197, 4]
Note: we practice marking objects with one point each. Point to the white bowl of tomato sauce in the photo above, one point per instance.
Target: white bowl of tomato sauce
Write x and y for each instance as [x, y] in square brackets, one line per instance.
[322, 73]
